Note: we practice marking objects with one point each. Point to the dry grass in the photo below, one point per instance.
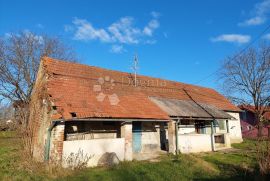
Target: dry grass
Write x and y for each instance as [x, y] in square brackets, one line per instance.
[263, 155]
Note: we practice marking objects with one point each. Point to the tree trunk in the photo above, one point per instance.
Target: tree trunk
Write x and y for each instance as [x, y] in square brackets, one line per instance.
[260, 129]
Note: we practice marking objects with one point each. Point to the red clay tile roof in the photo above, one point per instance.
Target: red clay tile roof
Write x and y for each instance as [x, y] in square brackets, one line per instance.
[251, 108]
[80, 89]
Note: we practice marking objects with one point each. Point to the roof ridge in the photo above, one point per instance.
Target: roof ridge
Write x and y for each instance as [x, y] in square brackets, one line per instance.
[128, 73]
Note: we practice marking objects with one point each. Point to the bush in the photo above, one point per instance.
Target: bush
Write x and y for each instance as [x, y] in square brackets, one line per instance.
[4, 126]
[263, 155]
[76, 161]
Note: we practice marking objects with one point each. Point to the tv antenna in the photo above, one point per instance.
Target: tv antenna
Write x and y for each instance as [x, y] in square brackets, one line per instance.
[135, 68]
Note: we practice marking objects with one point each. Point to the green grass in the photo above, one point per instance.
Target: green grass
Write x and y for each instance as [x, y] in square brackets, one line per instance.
[238, 165]
[246, 145]
[10, 159]
[183, 167]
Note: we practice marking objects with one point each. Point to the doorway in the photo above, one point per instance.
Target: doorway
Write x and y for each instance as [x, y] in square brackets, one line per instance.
[136, 136]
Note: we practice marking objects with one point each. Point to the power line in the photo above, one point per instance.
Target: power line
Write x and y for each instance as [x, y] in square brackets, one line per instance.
[242, 51]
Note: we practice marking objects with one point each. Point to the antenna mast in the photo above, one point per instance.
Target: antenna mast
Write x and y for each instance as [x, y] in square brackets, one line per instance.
[135, 68]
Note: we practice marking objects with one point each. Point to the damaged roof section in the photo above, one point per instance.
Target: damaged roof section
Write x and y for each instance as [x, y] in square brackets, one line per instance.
[81, 91]
[189, 109]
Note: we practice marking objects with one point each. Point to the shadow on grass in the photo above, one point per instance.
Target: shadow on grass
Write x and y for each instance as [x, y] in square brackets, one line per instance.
[232, 172]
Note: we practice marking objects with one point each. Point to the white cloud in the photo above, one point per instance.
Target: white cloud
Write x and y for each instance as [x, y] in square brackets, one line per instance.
[123, 31]
[36, 37]
[232, 38]
[27, 33]
[267, 36]
[259, 14]
[117, 49]
[150, 28]
[155, 14]
[41, 26]
[85, 31]
[68, 28]
[7, 35]
[253, 21]
[263, 7]
[150, 42]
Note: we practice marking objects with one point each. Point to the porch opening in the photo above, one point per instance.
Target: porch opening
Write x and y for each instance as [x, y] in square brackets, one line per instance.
[149, 136]
[86, 130]
[199, 135]
[101, 140]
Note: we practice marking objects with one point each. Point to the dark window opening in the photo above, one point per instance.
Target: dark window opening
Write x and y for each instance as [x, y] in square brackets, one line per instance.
[85, 130]
[200, 127]
[73, 114]
[108, 123]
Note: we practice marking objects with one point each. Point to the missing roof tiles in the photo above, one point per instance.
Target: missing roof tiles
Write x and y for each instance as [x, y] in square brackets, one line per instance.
[73, 114]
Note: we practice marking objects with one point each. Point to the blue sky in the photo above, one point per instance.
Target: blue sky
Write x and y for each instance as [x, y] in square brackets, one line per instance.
[177, 40]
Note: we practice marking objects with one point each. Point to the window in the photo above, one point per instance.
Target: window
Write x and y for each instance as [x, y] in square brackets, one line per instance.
[222, 125]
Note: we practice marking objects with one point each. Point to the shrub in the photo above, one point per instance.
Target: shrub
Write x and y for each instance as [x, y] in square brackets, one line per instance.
[76, 161]
[263, 155]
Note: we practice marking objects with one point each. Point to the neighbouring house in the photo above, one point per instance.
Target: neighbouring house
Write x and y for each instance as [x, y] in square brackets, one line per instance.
[98, 111]
[251, 131]
[249, 122]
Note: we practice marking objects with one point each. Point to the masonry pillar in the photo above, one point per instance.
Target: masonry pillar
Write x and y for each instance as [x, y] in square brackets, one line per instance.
[171, 136]
[126, 132]
[158, 127]
[212, 136]
[227, 126]
[57, 140]
[227, 140]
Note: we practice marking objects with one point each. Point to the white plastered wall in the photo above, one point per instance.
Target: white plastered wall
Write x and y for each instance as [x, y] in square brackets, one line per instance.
[192, 143]
[150, 137]
[235, 128]
[95, 148]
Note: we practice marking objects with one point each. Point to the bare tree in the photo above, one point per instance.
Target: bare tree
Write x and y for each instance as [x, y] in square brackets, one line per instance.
[247, 80]
[20, 56]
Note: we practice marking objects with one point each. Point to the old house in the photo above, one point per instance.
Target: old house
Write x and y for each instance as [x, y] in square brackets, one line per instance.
[249, 122]
[77, 107]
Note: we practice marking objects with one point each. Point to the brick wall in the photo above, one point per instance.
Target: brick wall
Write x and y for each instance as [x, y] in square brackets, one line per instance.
[57, 138]
[40, 115]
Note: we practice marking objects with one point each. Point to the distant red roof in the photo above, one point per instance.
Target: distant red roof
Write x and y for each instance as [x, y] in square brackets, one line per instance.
[86, 91]
[252, 109]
